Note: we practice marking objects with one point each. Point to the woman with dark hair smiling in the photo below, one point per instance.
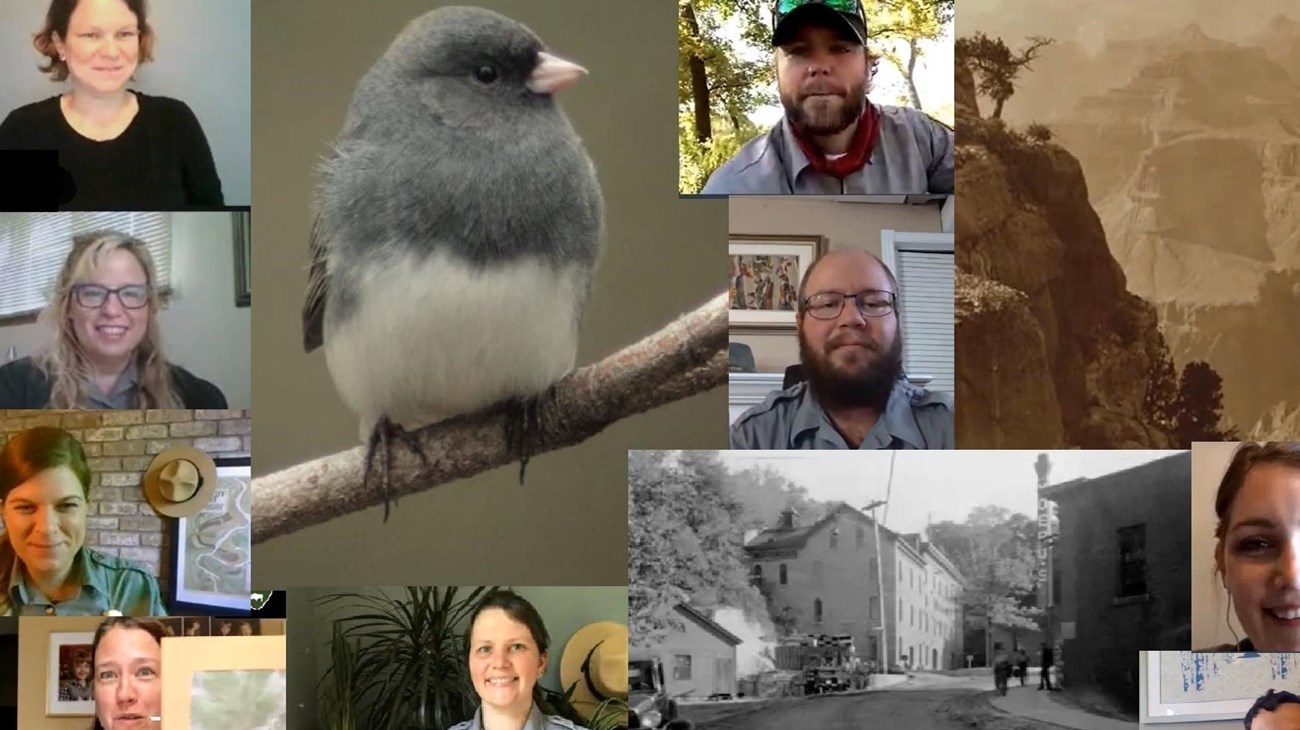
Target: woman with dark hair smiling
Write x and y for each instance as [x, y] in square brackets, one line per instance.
[45, 566]
[507, 646]
[1258, 550]
[126, 150]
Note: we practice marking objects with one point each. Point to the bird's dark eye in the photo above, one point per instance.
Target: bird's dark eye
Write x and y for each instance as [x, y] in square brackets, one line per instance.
[485, 74]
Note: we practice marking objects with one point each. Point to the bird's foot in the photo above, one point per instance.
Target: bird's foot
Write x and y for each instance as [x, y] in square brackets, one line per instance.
[381, 438]
[527, 419]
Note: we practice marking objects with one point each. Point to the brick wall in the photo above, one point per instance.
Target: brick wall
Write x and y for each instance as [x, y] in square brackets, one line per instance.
[119, 446]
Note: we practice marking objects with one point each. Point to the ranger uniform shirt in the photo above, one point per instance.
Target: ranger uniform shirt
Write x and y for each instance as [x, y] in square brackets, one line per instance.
[536, 721]
[914, 418]
[914, 154]
[107, 584]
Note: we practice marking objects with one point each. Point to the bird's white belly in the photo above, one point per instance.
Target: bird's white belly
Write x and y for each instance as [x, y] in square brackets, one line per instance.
[433, 338]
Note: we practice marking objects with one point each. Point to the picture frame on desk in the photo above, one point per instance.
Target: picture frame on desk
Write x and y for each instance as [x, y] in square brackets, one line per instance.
[206, 580]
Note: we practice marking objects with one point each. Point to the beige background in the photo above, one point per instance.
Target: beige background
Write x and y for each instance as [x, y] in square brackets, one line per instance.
[202, 329]
[845, 225]
[33, 656]
[1209, 599]
[568, 524]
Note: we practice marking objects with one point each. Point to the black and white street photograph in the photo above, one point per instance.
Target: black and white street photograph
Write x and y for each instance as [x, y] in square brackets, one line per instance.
[944, 590]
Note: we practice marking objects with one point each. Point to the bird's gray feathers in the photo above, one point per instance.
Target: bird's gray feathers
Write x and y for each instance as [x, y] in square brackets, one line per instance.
[432, 157]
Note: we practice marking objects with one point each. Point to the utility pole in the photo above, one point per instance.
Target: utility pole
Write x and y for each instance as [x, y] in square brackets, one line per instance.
[880, 584]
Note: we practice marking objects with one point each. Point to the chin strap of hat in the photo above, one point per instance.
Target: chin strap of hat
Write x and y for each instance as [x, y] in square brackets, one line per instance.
[586, 673]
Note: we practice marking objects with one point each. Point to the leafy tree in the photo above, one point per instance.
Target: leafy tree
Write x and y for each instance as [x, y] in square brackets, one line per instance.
[712, 79]
[898, 27]
[1160, 403]
[995, 65]
[684, 544]
[764, 493]
[995, 551]
[1200, 406]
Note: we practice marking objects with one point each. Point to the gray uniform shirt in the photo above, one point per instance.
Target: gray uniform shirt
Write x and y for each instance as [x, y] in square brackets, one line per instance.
[912, 155]
[123, 395]
[914, 418]
[536, 721]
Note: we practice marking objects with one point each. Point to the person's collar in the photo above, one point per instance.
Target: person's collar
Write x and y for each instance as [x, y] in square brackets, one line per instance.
[898, 420]
[795, 159]
[25, 593]
[536, 720]
[126, 380]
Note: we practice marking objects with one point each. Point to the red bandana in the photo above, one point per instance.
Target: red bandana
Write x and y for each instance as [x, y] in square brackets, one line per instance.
[864, 140]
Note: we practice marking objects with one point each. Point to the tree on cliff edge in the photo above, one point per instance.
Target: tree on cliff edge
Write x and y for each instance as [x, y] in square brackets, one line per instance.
[1200, 406]
[995, 64]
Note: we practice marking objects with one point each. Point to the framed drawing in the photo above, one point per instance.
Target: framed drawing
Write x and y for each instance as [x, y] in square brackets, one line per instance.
[763, 283]
[243, 259]
[67, 685]
[1183, 686]
[215, 683]
[211, 552]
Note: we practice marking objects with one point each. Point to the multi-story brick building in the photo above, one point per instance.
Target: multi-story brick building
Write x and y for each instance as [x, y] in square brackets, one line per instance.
[824, 578]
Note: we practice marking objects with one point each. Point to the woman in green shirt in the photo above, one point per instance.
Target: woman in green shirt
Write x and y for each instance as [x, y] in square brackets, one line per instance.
[45, 567]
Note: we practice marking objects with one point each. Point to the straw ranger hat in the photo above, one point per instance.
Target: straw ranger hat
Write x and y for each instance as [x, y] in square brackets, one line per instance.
[595, 659]
[180, 481]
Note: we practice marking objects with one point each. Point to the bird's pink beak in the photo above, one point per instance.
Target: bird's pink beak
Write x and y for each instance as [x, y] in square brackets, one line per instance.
[552, 74]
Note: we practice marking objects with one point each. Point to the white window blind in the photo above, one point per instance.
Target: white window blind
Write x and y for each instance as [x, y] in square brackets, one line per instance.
[33, 247]
[923, 264]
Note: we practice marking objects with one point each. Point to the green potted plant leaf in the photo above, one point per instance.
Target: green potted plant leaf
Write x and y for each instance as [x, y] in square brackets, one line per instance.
[337, 691]
[408, 670]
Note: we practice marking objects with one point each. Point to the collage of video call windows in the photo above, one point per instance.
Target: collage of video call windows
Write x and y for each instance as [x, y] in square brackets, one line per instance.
[493, 486]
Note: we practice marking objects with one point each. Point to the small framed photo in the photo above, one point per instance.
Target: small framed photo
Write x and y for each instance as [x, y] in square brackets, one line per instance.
[67, 687]
[186, 625]
[1184, 686]
[211, 552]
[227, 626]
[765, 271]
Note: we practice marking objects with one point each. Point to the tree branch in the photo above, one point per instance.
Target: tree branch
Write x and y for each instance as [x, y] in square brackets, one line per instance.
[687, 357]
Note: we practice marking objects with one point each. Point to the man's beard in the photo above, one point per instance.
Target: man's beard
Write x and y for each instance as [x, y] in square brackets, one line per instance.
[869, 387]
[825, 123]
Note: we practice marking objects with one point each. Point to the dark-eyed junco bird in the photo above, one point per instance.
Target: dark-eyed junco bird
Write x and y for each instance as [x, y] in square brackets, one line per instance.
[457, 228]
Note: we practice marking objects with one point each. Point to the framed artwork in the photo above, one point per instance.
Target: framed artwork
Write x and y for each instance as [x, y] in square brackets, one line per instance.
[67, 685]
[214, 683]
[1184, 686]
[211, 552]
[765, 271]
[243, 259]
[187, 625]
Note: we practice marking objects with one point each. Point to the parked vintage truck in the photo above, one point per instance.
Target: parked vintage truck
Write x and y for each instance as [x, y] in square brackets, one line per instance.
[649, 705]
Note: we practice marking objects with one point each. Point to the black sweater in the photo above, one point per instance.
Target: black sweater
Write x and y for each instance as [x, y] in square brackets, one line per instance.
[160, 162]
[23, 385]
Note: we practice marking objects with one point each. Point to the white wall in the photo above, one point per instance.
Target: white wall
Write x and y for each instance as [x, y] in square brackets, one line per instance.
[202, 56]
[202, 329]
[1209, 599]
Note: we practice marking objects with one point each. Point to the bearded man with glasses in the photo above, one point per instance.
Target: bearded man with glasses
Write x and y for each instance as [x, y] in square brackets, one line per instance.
[833, 140]
[851, 348]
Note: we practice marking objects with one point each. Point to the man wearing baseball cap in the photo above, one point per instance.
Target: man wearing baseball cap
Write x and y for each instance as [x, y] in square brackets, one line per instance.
[832, 139]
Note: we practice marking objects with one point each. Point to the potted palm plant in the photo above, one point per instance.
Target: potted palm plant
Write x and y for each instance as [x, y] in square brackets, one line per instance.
[399, 661]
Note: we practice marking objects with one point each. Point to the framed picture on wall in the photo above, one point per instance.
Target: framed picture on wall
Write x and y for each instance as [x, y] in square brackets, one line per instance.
[211, 552]
[234, 626]
[68, 675]
[214, 683]
[765, 271]
[1184, 686]
[187, 625]
[243, 259]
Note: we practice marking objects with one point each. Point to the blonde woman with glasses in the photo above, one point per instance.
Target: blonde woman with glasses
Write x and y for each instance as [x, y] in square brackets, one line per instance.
[106, 351]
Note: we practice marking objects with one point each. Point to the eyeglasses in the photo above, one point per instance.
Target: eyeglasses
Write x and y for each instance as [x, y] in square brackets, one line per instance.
[94, 296]
[852, 7]
[829, 304]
